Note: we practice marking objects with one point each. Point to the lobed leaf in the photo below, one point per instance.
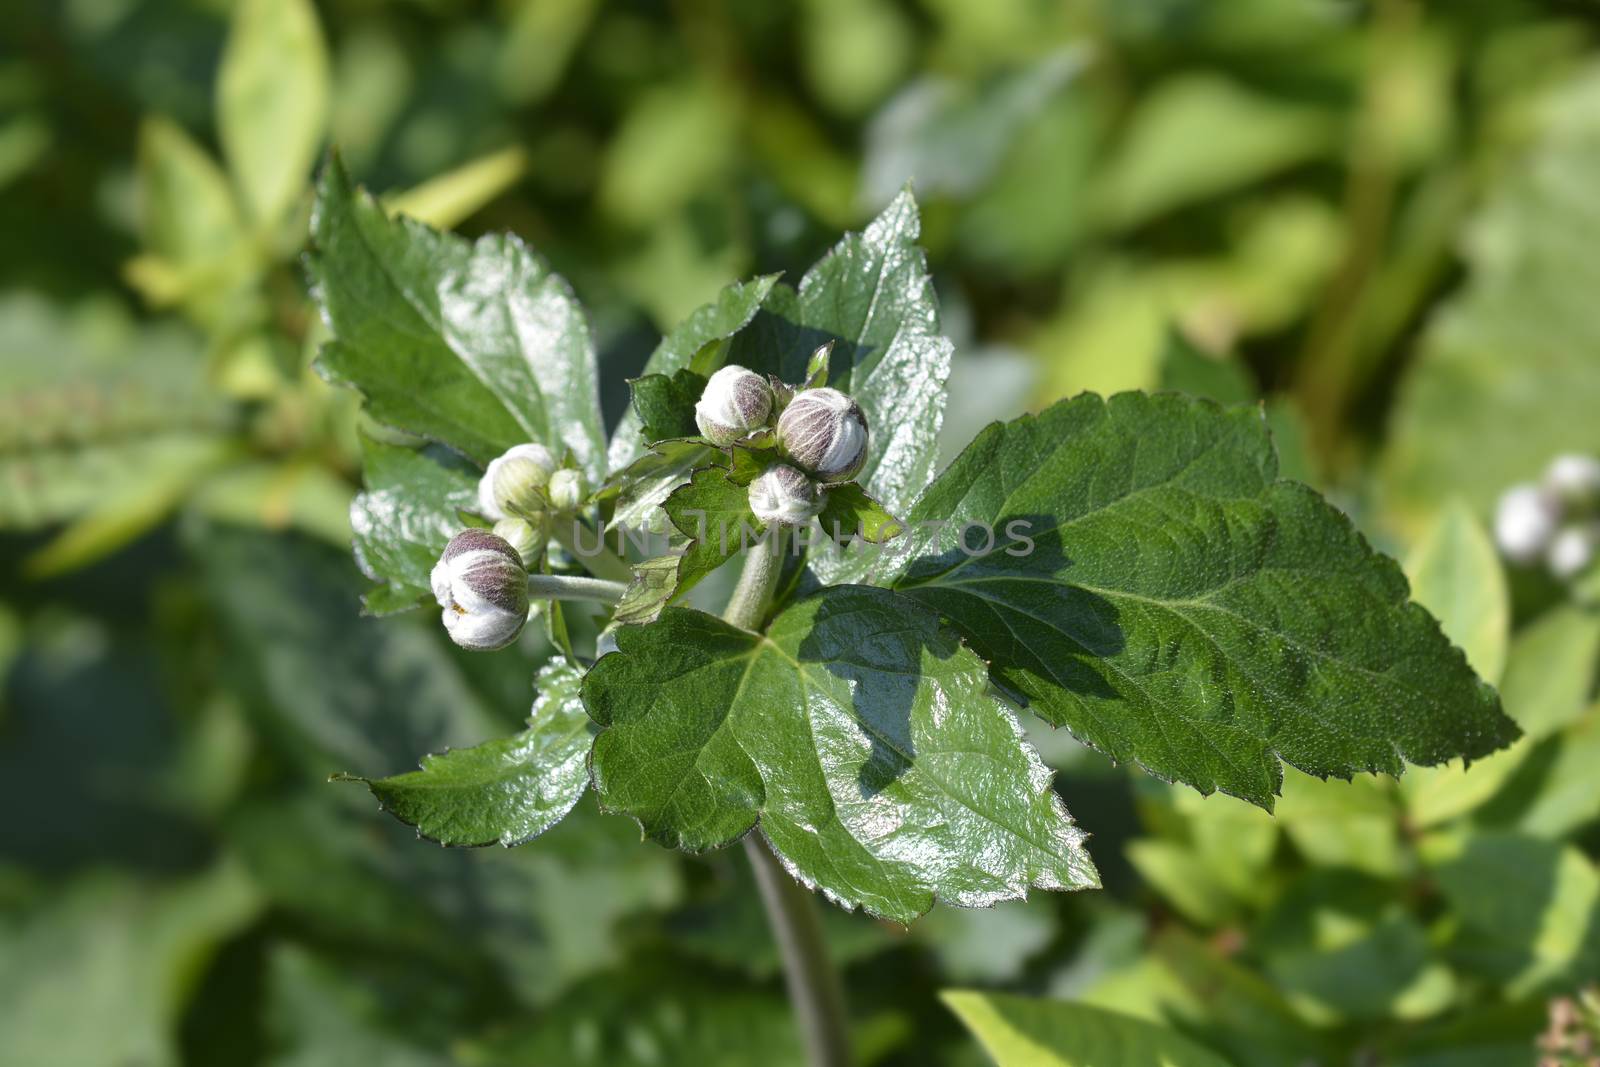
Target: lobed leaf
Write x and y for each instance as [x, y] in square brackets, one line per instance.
[857, 732]
[1156, 588]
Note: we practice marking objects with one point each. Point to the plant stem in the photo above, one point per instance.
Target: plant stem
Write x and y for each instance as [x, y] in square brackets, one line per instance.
[813, 983]
[792, 914]
[599, 560]
[563, 587]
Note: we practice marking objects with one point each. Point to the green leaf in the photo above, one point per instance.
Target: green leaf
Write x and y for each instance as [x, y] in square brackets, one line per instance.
[403, 521]
[1455, 573]
[448, 199]
[189, 218]
[1354, 824]
[713, 511]
[1550, 673]
[698, 343]
[1529, 909]
[857, 732]
[654, 584]
[849, 511]
[871, 295]
[1186, 369]
[476, 345]
[1507, 377]
[665, 404]
[1154, 587]
[644, 485]
[501, 792]
[1027, 1032]
[272, 102]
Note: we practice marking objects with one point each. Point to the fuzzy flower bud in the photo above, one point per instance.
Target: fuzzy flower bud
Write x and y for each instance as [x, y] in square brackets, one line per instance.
[785, 496]
[1574, 477]
[825, 433]
[736, 403]
[1572, 550]
[482, 586]
[527, 536]
[566, 489]
[1524, 522]
[513, 481]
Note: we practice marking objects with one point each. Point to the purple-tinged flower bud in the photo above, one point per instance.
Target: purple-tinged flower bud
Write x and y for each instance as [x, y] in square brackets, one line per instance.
[482, 586]
[825, 433]
[785, 496]
[514, 481]
[1525, 520]
[736, 403]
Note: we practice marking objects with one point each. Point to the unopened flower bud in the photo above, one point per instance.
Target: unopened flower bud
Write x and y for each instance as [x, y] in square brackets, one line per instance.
[527, 536]
[785, 496]
[1524, 522]
[736, 402]
[1572, 550]
[514, 480]
[482, 586]
[825, 433]
[1574, 477]
[566, 489]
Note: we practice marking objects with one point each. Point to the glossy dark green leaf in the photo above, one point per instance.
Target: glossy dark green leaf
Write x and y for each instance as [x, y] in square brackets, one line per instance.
[665, 404]
[408, 514]
[644, 485]
[476, 345]
[506, 791]
[704, 335]
[1153, 586]
[850, 513]
[858, 733]
[872, 297]
[713, 511]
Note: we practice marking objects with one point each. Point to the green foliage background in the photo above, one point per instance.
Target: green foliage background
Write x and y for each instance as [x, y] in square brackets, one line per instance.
[1379, 218]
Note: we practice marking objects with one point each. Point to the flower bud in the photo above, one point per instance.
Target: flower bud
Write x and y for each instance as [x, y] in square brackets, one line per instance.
[1524, 522]
[513, 481]
[1572, 550]
[566, 489]
[736, 402]
[482, 586]
[785, 496]
[825, 433]
[527, 536]
[1574, 477]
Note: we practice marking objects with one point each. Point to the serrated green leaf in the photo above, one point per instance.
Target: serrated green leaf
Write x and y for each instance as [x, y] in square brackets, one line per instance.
[872, 296]
[644, 485]
[857, 733]
[1027, 1032]
[665, 404]
[1173, 602]
[654, 584]
[704, 335]
[506, 791]
[476, 345]
[272, 102]
[403, 521]
[849, 512]
[713, 510]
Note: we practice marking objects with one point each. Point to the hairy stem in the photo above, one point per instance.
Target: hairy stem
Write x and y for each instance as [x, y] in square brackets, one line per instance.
[562, 587]
[813, 983]
[589, 549]
[792, 912]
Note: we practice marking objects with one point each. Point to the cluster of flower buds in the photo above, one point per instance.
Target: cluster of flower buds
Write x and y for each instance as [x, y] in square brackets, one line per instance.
[482, 585]
[821, 434]
[522, 490]
[1556, 520]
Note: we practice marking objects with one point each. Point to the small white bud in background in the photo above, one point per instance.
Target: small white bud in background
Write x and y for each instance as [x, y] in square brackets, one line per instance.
[825, 433]
[513, 481]
[527, 536]
[482, 586]
[785, 496]
[1574, 477]
[566, 489]
[1525, 520]
[736, 402]
[1572, 550]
